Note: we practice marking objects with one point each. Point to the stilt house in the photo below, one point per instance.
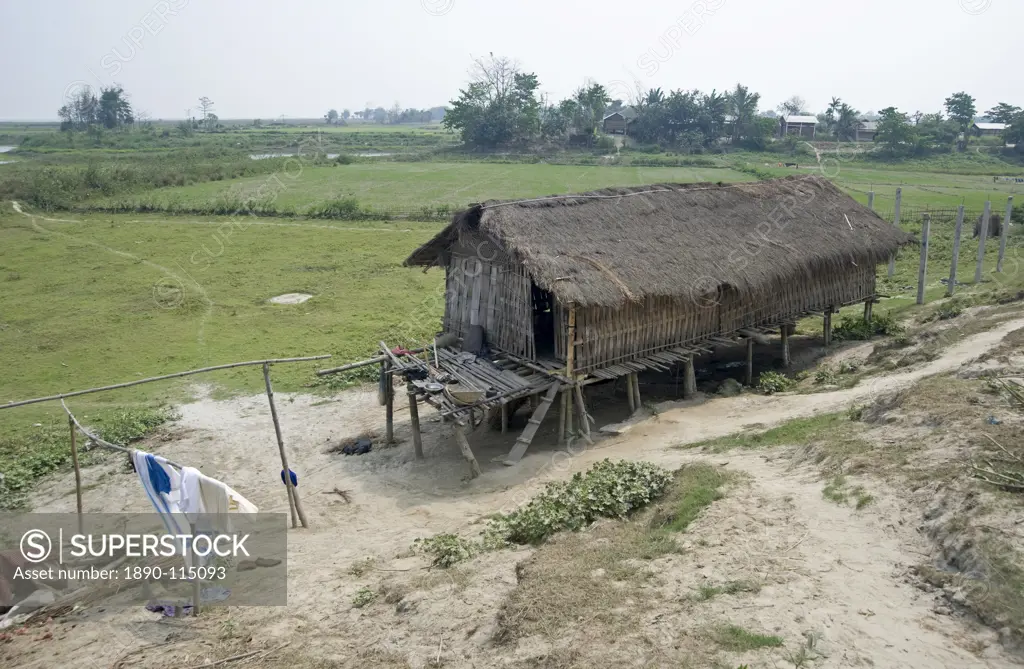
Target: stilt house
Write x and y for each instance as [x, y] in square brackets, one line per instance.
[604, 283]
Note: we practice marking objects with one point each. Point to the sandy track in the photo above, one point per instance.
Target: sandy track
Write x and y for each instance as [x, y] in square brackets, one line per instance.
[835, 572]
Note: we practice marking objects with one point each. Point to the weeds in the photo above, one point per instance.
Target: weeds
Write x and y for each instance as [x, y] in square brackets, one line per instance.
[446, 549]
[709, 592]
[770, 383]
[363, 597]
[608, 490]
[854, 328]
[738, 640]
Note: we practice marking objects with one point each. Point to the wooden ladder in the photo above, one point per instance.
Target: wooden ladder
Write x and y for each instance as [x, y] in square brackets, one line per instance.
[530, 431]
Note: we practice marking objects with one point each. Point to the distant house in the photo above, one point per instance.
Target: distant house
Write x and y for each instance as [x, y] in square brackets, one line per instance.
[988, 129]
[616, 122]
[801, 126]
[865, 131]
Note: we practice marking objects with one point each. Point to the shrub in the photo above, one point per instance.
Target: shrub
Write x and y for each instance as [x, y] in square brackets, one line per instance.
[363, 597]
[128, 425]
[608, 490]
[772, 382]
[825, 376]
[446, 549]
[344, 159]
[854, 328]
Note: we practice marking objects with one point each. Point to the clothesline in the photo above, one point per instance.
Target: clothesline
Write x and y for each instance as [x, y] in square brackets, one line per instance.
[101, 442]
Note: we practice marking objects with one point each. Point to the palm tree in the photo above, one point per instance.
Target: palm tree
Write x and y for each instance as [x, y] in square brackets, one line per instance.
[744, 108]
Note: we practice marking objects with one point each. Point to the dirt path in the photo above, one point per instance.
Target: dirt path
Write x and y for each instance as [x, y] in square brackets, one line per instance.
[830, 571]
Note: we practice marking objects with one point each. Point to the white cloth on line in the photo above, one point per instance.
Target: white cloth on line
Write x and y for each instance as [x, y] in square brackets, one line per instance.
[201, 494]
[166, 501]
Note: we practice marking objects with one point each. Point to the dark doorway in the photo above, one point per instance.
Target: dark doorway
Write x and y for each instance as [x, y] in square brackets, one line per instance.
[543, 323]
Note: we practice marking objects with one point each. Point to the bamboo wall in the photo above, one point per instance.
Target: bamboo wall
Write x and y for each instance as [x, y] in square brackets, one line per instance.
[607, 336]
[484, 287]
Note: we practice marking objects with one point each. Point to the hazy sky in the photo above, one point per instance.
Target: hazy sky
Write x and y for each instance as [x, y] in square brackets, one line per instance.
[266, 58]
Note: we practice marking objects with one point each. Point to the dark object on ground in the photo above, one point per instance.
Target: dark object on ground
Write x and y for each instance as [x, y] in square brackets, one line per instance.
[475, 341]
[995, 226]
[358, 447]
[730, 388]
[295, 479]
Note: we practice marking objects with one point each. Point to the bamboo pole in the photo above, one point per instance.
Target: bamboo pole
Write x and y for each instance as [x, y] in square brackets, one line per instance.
[630, 394]
[636, 391]
[1004, 232]
[414, 417]
[389, 402]
[504, 418]
[294, 505]
[895, 222]
[982, 236]
[101, 442]
[922, 270]
[827, 327]
[562, 410]
[467, 452]
[78, 472]
[690, 379]
[128, 384]
[363, 363]
[584, 418]
[570, 359]
[951, 286]
[196, 594]
[785, 344]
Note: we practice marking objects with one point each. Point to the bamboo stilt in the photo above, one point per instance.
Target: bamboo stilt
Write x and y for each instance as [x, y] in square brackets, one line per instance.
[630, 395]
[467, 452]
[389, 403]
[750, 363]
[414, 417]
[785, 345]
[689, 378]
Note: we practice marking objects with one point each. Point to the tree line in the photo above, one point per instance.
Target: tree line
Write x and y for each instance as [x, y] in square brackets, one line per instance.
[502, 107]
[395, 115]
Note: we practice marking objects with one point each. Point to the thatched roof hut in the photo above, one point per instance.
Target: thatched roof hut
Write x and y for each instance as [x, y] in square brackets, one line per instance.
[645, 269]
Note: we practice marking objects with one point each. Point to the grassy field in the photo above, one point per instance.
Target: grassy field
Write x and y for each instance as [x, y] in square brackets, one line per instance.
[413, 185]
[110, 299]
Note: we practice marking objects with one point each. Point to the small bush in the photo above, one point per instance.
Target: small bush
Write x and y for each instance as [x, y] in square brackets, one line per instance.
[825, 376]
[344, 159]
[854, 328]
[608, 490]
[363, 597]
[772, 382]
[849, 367]
[446, 549]
[128, 425]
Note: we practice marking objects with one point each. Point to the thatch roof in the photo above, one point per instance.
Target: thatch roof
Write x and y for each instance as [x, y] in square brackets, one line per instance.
[619, 244]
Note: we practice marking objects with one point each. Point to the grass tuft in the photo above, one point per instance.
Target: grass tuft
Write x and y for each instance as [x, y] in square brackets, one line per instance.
[738, 640]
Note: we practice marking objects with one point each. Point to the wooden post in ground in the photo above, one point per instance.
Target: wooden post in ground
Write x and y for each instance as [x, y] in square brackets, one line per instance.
[636, 391]
[749, 379]
[570, 368]
[504, 417]
[827, 329]
[689, 378]
[389, 402]
[630, 395]
[1005, 231]
[982, 236]
[922, 270]
[895, 222]
[294, 505]
[869, 306]
[78, 473]
[414, 417]
[460, 438]
[951, 286]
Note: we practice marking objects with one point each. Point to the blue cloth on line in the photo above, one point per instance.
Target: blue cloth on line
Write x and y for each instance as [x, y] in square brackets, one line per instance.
[295, 479]
[157, 476]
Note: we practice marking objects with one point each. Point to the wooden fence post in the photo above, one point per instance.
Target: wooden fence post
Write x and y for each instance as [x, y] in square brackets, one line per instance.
[982, 236]
[922, 270]
[895, 222]
[951, 287]
[785, 344]
[827, 327]
[293, 498]
[1005, 231]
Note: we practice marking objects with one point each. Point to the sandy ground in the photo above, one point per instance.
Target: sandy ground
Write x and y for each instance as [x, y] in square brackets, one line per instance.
[833, 572]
